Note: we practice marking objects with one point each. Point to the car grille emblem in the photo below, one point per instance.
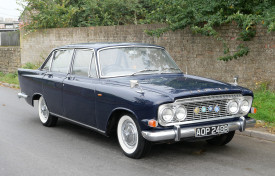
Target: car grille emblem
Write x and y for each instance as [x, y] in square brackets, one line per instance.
[217, 108]
[197, 110]
[203, 109]
[210, 108]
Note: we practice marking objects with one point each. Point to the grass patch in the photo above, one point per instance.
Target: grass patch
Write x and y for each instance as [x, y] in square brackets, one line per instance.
[264, 101]
[11, 78]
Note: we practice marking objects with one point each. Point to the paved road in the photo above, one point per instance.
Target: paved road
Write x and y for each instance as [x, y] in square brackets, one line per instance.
[29, 149]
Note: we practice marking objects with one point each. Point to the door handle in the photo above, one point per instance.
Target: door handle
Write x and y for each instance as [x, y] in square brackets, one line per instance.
[70, 77]
[50, 75]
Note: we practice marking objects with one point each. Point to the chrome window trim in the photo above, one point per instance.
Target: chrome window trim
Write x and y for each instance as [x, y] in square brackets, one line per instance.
[55, 50]
[126, 46]
[200, 99]
[45, 62]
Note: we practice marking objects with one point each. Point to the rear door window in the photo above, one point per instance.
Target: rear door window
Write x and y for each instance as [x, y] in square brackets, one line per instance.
[62, 60]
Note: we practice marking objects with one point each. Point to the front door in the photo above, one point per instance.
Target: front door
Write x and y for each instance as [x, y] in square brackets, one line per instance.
[78, 89]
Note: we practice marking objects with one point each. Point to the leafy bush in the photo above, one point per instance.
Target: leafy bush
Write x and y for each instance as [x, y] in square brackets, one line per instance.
[29, 65]
[202, 16]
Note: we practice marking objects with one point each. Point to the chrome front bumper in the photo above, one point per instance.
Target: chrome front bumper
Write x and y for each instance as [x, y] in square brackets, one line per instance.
[177, 133]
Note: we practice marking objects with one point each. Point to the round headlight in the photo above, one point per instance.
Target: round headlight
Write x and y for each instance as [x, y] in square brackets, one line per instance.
[181, 113]
[233, 107]
[244, 106]
[167, 115]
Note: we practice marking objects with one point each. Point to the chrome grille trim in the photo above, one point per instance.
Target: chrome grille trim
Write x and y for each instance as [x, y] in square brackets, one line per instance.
[211, 100]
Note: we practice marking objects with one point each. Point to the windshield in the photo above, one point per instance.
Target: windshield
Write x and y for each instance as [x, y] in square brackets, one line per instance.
[123, 61]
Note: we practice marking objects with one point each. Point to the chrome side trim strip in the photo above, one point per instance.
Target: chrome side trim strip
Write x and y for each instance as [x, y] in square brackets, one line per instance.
[187, 132]
[79, 123]
[22, 95]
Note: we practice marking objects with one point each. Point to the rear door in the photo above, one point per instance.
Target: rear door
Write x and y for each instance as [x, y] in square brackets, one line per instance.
[52, 80]
[78, 90]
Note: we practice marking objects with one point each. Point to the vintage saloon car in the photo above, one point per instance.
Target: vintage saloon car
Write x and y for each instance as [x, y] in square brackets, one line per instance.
[137, 92]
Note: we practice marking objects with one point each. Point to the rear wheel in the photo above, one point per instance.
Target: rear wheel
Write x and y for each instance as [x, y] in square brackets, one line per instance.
[130, 139]
[44, 114]
[222, 139]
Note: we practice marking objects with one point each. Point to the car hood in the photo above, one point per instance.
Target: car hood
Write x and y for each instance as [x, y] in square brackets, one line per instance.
[180, 85]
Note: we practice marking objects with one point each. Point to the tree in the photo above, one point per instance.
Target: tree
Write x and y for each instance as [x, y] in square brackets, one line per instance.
[202, 16]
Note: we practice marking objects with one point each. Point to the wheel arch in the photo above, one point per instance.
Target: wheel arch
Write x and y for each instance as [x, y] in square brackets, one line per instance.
[114, 118]
[35, 96]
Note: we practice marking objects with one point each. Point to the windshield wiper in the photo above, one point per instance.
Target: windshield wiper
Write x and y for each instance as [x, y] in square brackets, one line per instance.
[144, 70]
[171, 68]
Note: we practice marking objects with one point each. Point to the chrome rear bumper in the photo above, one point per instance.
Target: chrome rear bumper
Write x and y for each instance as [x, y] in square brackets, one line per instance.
[22, 95]
[177, 133]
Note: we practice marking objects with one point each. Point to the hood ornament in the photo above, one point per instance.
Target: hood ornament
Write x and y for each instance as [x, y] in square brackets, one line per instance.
[135, 84]
[236, 78]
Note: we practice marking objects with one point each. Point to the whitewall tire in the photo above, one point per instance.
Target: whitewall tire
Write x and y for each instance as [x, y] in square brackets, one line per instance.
[130, 139]
[44, 114]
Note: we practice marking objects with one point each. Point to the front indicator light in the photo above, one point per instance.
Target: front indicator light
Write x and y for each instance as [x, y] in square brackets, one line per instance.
[152, 123]
[253, 110]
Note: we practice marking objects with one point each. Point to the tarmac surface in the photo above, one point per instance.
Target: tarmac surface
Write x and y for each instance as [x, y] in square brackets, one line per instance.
[29, 149]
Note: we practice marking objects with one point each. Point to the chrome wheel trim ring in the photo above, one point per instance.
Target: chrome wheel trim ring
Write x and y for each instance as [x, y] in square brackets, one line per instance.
[129, 134]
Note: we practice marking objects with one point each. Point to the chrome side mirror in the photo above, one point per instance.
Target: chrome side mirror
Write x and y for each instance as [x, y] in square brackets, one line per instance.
[135, 84]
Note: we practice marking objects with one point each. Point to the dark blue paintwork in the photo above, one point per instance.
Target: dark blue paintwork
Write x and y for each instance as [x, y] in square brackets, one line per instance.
[77, 97]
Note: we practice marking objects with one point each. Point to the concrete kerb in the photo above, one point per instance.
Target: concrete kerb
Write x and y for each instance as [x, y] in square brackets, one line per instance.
[9, 85]
[257, 134]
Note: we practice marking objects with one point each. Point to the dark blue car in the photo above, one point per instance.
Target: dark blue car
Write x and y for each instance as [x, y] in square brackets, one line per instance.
[137, 92]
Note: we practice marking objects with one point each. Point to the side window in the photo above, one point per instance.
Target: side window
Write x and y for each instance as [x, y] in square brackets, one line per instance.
[48, 63]
[61, 61]
[82, 62]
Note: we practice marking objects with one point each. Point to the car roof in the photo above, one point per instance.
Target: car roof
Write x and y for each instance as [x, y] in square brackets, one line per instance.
[97, 46]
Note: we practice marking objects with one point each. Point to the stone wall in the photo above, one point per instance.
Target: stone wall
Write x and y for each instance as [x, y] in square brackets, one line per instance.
[195, 52]
[9, 59]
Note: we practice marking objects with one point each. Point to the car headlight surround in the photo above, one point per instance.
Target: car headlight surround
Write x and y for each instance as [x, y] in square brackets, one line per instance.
[167, 114]
[181, 113]
[233, 107]
[245, 104]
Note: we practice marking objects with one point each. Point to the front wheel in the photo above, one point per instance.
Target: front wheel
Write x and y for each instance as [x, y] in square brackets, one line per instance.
[222, 139]
[130, 139]
[44, 114]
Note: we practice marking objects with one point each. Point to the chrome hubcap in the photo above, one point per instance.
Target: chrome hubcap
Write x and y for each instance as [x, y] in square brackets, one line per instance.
[44, 111]
[129, 134]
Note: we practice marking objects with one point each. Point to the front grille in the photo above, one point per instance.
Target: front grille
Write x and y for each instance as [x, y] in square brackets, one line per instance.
[208, 114]
[207, 101]
[198, 102]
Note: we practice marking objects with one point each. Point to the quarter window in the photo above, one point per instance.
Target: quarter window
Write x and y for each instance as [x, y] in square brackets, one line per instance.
[48, 63]
[82, 62]
[61, 61]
